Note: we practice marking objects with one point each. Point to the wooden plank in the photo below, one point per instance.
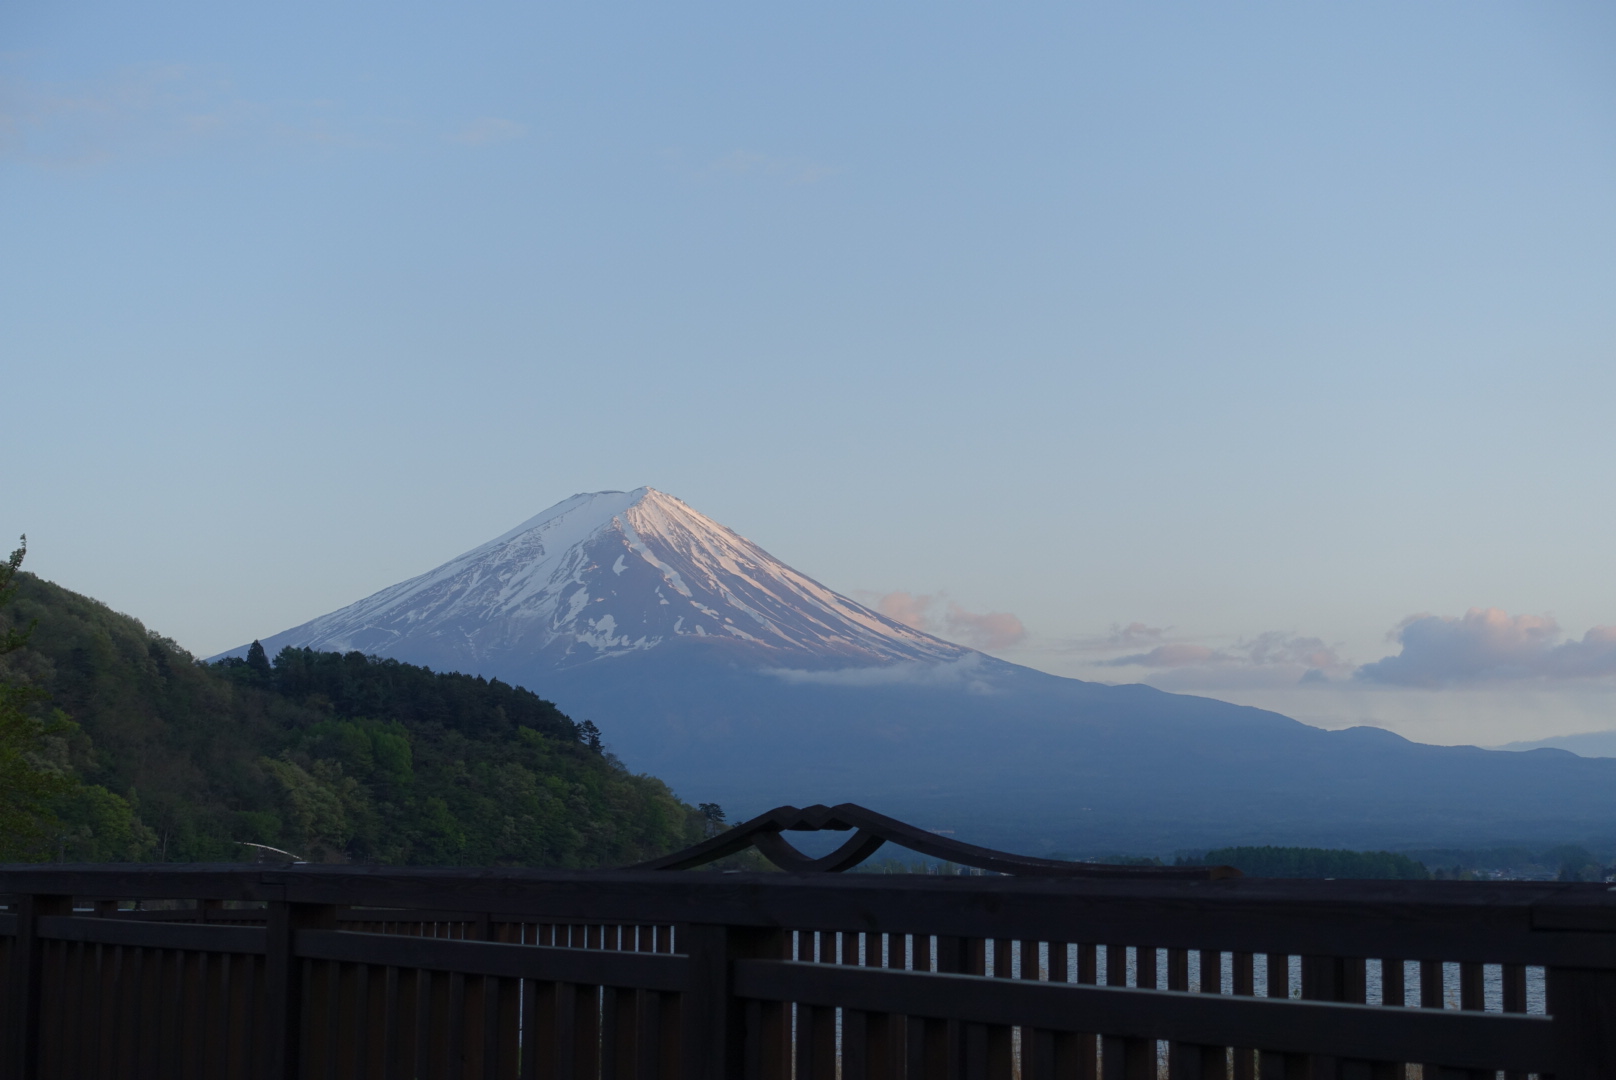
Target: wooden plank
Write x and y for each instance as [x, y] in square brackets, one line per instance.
[52, 987]
[1190, 1061]
[115, 977]
[1558, 906]
[1432, 984]
[95, 1011]
[1583, 1004]
[705, 1017]
[538, 1030]
[504, 1050]
[1116, 965]
[1487, 922]
[599, 967]
[441, 1026]
[416, 1059]
[149, 1066]
[1364, 915]
[1211, 981]
[1514, 995]
[586, 1030]
[195, 1004]
[189, 937]
[316, 1023]
[347, 1021]
[774, 1032]
[465, 1014]
[1145, 967]
[1178, 969]
[1452, 1037]
[1127, 1059]
[25, 970]
[1472, 986]
[616, 1033]
[1243, 981]
[1394, 982]
[283, 984]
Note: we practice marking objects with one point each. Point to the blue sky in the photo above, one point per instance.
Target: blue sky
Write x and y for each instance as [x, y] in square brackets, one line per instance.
[1258, 328]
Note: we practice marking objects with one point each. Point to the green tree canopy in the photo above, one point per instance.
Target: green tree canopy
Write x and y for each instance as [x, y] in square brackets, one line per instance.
[331, 756]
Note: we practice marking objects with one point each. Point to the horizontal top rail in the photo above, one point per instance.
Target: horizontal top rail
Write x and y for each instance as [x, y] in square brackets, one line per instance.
[1572, 925]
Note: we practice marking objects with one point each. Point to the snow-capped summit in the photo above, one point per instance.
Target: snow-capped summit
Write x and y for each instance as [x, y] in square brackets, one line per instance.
[607, 573]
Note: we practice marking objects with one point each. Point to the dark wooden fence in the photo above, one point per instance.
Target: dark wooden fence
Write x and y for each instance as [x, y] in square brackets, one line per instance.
[338, 973]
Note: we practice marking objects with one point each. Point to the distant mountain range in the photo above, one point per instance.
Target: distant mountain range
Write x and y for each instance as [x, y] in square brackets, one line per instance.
[1585, 744]
[711, 664]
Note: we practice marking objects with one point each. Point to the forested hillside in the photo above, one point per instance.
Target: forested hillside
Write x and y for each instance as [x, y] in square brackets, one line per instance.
[157, 756]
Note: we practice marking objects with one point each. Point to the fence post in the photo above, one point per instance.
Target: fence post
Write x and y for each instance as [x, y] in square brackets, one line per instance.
[704, 1013]
[283, 983]
[23, 978]
[716, 1034]
[1583, 1004]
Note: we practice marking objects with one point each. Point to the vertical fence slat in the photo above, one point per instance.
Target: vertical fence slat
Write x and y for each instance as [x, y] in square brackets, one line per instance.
[443, 1032]
[1393, 982]
[1116, 965]
[283, 984]
[148, 1065]
[421, 1027]
[774, 1043]
[541, 1029]
[504, 1046]
[127, 1049]
[620, 1029]
[1046, 1055]
[1272, 1066]
[816, 1026]
[1087, 1045]
[95, 992]
[706, 1016]
[1243, 982]
[1514, 999]
[23, 986]
[200, 1026]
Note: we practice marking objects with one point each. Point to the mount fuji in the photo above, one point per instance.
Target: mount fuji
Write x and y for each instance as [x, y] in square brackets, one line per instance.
[737, 679]
[610, 574]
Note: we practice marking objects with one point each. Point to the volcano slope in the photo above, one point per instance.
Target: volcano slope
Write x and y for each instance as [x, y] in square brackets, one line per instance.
[740, 680]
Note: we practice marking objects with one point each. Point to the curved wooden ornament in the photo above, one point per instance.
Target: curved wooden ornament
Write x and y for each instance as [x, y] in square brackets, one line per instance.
[763, 832]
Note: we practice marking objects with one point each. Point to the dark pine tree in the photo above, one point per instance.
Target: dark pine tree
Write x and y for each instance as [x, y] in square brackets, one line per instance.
[258, 660]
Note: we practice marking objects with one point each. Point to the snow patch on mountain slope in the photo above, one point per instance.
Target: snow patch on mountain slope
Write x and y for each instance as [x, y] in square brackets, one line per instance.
[612, 572]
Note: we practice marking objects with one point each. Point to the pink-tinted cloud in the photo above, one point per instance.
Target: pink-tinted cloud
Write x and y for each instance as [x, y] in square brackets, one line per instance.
[935, 614]
[989, 630]
[906, 608]
[1487, 644]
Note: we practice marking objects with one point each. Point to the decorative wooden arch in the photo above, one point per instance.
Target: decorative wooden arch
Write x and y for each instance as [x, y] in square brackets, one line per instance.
[873, 830]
